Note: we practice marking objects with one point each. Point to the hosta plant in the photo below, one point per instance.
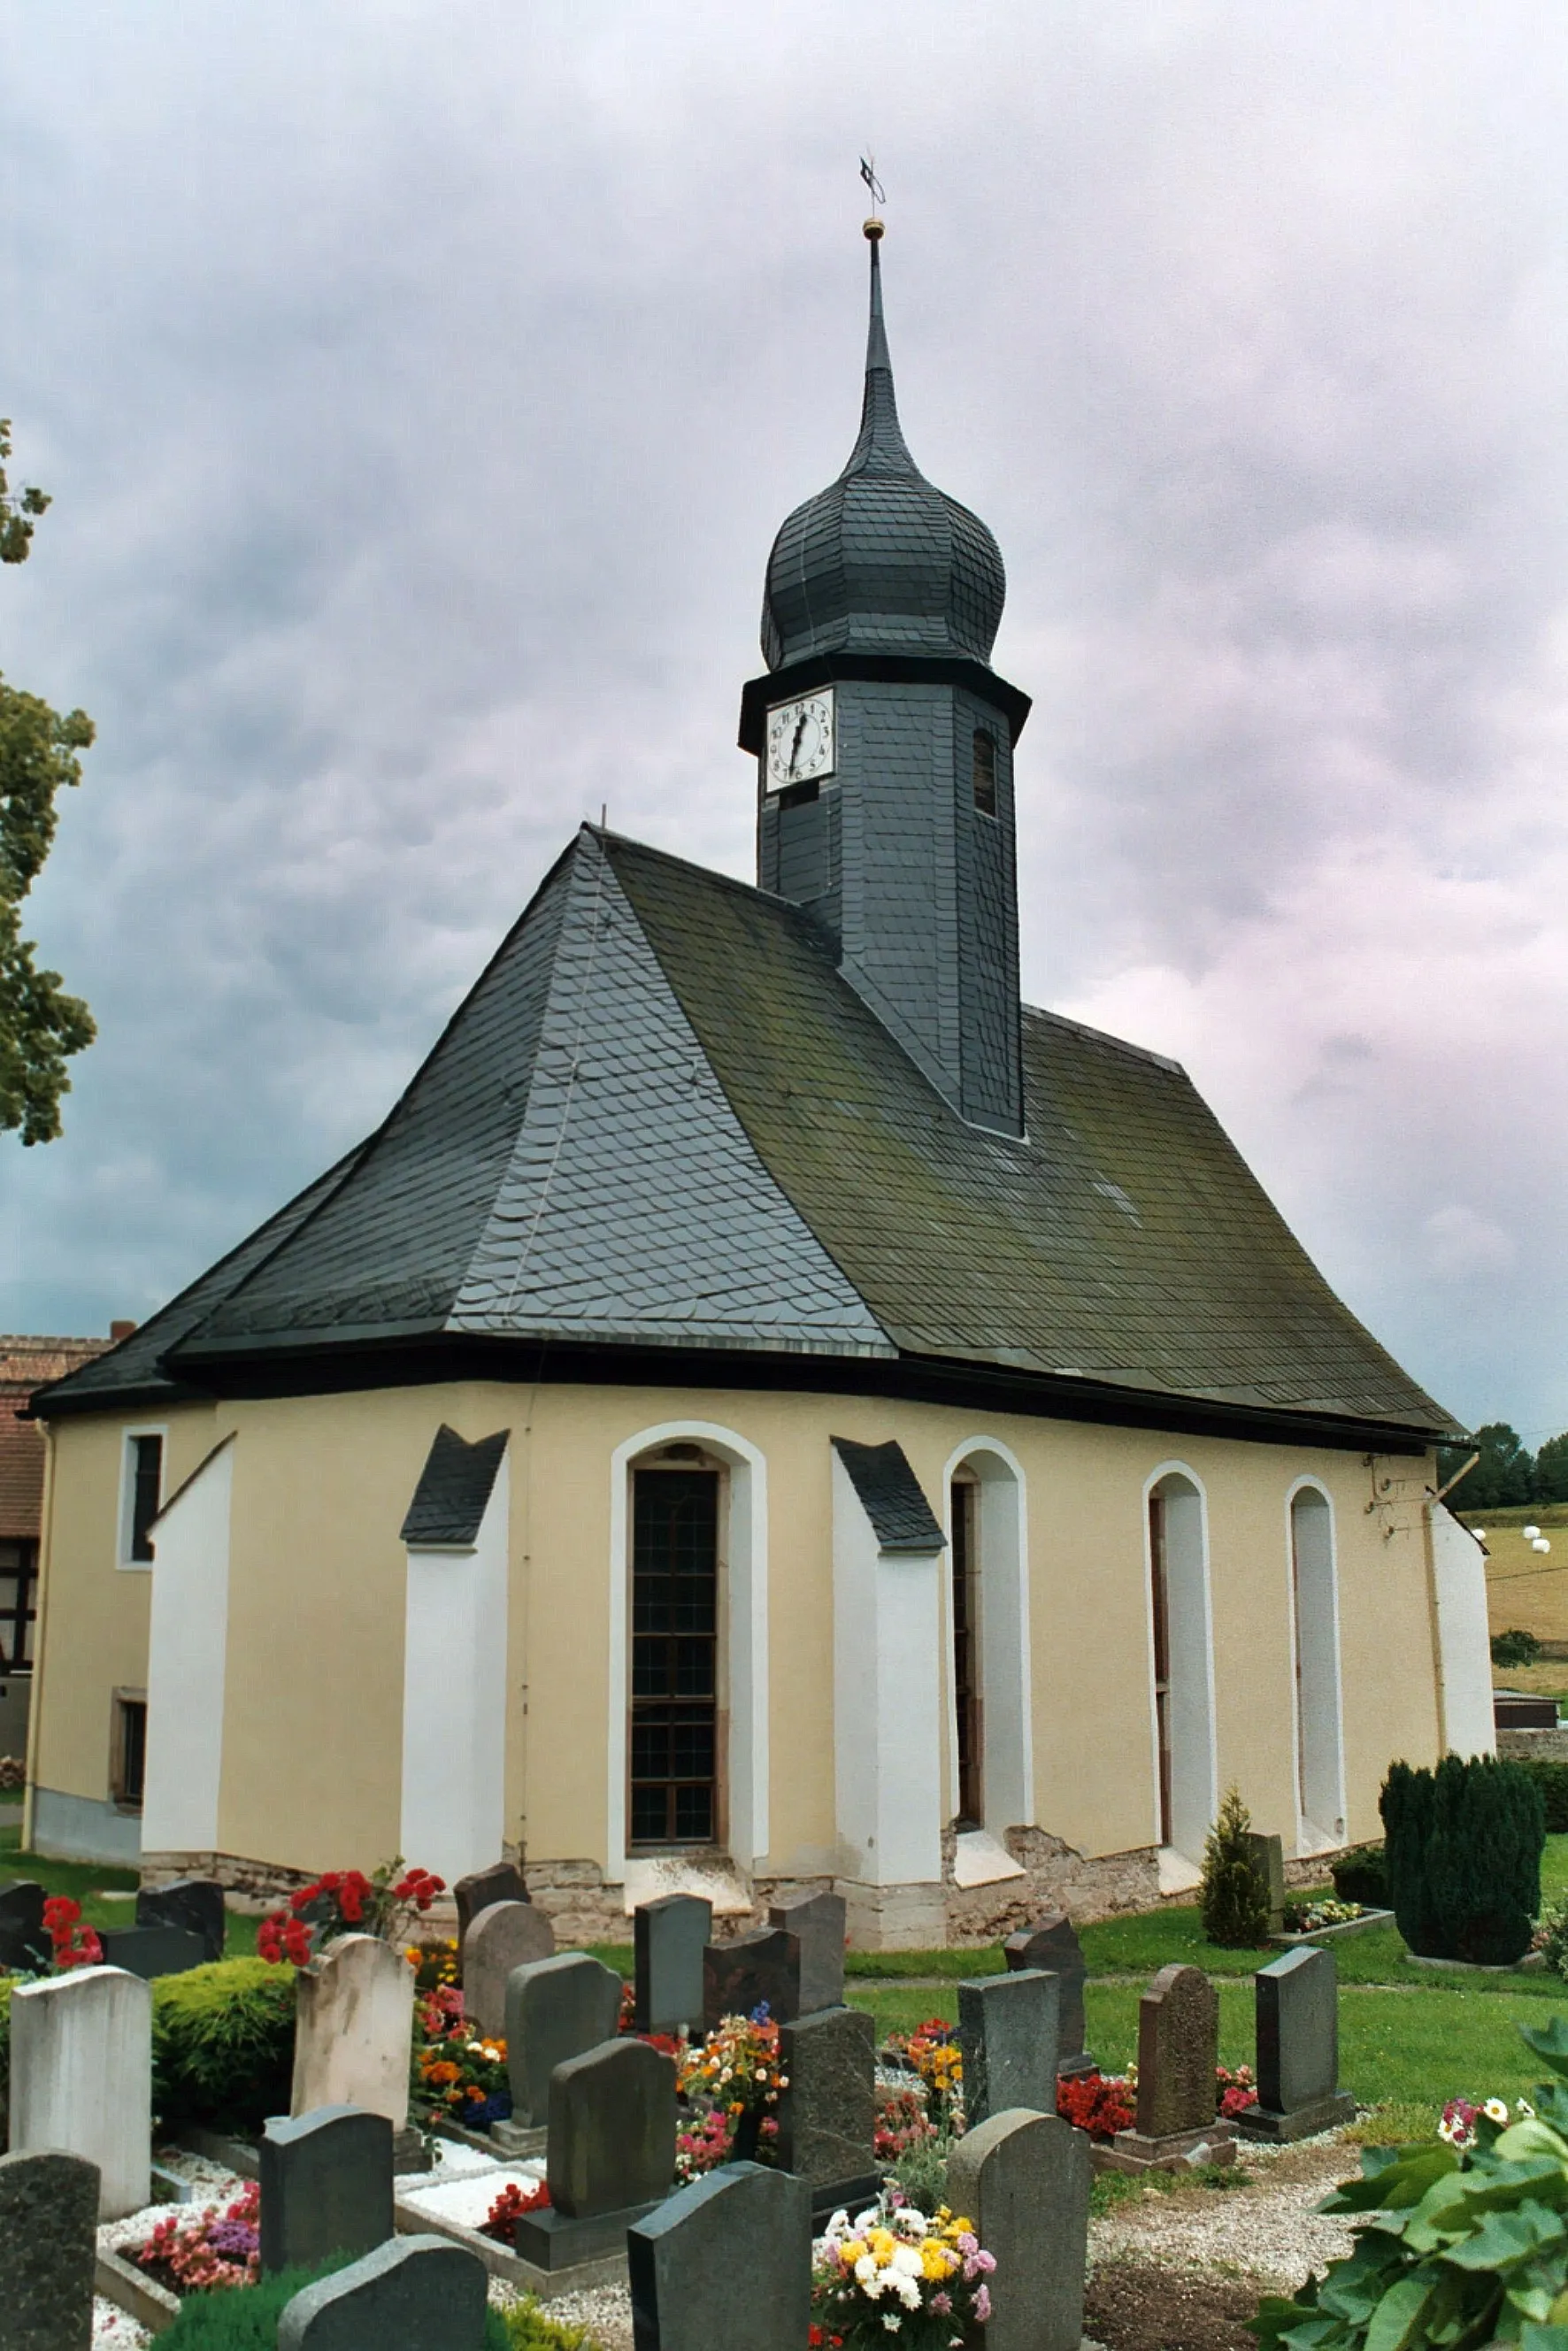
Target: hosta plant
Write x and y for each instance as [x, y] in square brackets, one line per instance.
[1460, 2242]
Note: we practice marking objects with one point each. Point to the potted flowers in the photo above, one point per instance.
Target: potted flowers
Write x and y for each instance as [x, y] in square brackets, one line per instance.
[893, 2271]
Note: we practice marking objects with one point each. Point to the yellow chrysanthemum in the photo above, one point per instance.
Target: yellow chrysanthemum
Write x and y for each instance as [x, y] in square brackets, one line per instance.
[937, 2260]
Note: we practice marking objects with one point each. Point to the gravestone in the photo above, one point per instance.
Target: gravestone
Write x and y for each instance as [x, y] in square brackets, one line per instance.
[502, 1882]
[1007, 2030]
[416, 2293]
[1054, 1945]
[48, 2249]
[827, 2114]
[506, 1936]
[819, 1921]
[25, 1947]
[612, 2152]
[761, 1970]
[1023, 2181]
[353, 2030]
[1297, 2007]
[81, 2077]
[151, 1951]
[326, 2186]
[1267, 1858]
[724, 2265]
[1178, 2049]
[669, 1936]
[194, 1903]
[555, 2009]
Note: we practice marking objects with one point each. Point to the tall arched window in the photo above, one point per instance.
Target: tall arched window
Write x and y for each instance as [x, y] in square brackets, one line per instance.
[674, 1788]
[1182, 1660]
[991, 1783]
[1320, 1772]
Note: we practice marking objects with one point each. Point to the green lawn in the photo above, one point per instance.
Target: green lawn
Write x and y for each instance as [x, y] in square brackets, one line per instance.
[90, 1881]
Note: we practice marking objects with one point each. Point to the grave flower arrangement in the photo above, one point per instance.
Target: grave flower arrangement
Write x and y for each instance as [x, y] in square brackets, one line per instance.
[346, 1902]
[214, 2250]
[933, 2053]
[893, 2272]
[1235, 2089]
[734, 2073]
[1307, 1917]
[457, 2074]
[75, 1944]
[902, 2123]
[434, 1964]
[1100, 2104]
[509, 2206]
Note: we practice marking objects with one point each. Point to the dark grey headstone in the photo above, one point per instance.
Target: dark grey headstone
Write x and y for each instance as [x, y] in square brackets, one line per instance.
[555, 2009]
[194, 1903]
[819, 1922]
[826, 2115]
[1023, 2179]
[1178, 2049]
[755, 1971]
[49, 2246]
[611, 2129]
[502, 1882]
[24, 1947]
[1296, 2002]
[149, 1951]
[416, 2293]
[669, 1936]
[1268, 1856]
[1053, 1945]
[725, 2263]
[1007, 2028]
[326, 2186]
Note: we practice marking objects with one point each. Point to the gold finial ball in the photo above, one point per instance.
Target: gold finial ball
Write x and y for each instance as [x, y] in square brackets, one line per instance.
[872, 230]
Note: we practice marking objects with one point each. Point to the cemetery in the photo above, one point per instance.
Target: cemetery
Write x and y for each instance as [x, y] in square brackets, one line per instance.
[363, 2127]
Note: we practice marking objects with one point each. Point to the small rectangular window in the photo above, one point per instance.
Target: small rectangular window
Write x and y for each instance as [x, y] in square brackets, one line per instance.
[18, 1605]
[141, 1496]
[985, 772]
[128, 1748]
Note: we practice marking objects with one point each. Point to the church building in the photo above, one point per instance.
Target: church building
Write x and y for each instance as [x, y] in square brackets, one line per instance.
[767, 1407]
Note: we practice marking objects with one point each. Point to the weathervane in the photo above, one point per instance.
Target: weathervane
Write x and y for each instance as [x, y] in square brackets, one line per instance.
[878, 195]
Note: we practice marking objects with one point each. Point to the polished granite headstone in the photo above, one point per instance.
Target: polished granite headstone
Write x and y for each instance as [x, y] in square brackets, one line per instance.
[669, 1936]
[724, 2265]
[326, 2186]
[1297, 2008]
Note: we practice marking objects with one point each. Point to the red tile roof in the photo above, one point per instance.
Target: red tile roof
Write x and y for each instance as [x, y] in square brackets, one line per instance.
[25, 1364]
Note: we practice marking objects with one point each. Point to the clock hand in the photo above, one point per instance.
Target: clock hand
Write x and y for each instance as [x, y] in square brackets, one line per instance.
[795, 746]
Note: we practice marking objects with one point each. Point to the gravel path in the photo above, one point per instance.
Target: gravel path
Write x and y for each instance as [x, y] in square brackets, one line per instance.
[1268, 2230]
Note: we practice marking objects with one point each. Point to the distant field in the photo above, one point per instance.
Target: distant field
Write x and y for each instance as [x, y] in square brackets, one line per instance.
[1525, 1587]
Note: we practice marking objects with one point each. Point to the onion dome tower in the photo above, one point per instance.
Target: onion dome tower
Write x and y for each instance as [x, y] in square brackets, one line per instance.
[884, 740]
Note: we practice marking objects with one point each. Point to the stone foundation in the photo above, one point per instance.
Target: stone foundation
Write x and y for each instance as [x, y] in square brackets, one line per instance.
[1521, 1746]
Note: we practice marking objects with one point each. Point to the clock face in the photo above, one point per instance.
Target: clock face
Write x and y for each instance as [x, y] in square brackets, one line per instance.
[801, 740]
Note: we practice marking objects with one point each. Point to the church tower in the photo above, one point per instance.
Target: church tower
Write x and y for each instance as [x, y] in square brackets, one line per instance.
[884, 742]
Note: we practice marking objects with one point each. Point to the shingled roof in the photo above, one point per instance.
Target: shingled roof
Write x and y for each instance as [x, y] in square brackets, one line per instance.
[28, 1362]
[664, 1119]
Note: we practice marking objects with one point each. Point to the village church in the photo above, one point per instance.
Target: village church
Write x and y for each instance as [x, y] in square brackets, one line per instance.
[767, 1408]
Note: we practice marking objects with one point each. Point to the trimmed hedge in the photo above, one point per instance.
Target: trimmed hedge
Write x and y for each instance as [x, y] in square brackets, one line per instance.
[222, 2044]
[1463, 1849]
[1552, 1779]
[1362, 1875]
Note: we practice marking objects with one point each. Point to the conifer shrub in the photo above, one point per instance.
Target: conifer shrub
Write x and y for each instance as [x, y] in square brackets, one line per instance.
[1235, 1897]
[1514, 1647]
[1464, 1847]
[222, 2044]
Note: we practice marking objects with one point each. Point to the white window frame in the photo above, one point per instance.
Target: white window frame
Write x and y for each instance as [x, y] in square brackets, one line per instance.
[158, 1428]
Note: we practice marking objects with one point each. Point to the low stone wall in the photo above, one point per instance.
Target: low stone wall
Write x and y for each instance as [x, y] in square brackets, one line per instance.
[1524, 1746]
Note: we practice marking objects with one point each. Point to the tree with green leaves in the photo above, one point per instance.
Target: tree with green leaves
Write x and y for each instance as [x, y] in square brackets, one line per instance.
[1551, 1470]
[40, 1026]
[1504, 1474]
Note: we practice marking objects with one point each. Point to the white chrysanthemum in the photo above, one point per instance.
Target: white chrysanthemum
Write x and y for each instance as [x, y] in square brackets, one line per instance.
[893, 2322]
[865, 2268]
[905, 2261]
[909, 2292]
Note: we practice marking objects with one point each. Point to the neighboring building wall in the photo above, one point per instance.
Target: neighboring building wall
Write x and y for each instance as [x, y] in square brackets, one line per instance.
[318, 1608]
[1463, 1645]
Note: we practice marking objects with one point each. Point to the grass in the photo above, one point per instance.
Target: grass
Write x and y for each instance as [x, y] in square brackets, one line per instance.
[88, 1881]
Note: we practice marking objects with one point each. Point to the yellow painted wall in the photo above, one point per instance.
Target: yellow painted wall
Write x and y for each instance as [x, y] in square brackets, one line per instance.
[313, 1740]
[93, 1636]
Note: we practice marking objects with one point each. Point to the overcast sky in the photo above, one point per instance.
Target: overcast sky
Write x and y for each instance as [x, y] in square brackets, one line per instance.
[419, 383]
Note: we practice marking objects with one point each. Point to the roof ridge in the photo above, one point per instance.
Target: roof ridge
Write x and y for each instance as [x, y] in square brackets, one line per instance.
[1104, 1037]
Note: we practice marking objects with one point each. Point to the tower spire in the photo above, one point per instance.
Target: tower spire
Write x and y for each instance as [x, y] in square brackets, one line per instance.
[881, 447]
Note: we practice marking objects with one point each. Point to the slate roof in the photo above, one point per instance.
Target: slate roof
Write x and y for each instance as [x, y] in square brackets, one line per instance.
[453, 1490]
[664, 1119]
[890, 1495]
[881, 561]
